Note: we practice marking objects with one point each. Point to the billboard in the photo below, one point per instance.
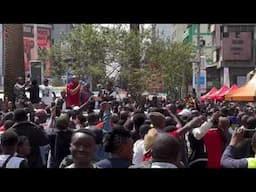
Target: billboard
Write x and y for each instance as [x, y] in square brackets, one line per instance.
[237, 46]
[43, 42]
[202, 80]
[154, 82]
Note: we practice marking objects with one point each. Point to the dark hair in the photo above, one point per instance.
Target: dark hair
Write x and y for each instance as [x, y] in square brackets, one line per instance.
[115, 139]
[9, 138]
[170, 128]
[21, 140]
[253, 141]
[87, 132]
[92, 118]
[20, 115]
[34, 82]
[128, 124]
[144, 130]
[138, 120]
[82, 118]
[251, 122]
[169, 121]
[166, 148]
[8, 124]
[7, 116]
[98, 134]
[124, 115]
[115, 118]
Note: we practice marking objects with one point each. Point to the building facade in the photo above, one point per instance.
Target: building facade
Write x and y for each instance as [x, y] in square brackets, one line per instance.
[164, 31]
[190, 35]
[233, 52]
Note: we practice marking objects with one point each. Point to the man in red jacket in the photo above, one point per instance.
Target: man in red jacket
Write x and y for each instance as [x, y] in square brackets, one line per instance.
[73, 92]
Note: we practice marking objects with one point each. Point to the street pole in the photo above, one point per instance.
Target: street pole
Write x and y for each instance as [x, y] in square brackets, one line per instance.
[35, 41]
[198, 90]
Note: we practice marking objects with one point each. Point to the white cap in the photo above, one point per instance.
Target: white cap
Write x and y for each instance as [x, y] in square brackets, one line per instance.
[185, 113]
[76, 108]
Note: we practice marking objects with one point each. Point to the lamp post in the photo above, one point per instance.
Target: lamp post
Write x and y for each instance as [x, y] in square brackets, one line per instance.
[198, 88]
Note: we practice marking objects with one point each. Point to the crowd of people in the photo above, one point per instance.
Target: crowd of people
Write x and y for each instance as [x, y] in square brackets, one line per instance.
[67, 131]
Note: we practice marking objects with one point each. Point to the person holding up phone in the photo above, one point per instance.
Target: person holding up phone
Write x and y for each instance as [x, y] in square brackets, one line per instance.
[228, 159]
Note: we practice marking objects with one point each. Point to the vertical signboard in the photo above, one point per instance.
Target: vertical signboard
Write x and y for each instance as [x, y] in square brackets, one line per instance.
[43, 42]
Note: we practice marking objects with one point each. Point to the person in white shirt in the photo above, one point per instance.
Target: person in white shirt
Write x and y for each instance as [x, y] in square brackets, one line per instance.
[138, 146]
[200, 132]
[47, 93]
[9, 142]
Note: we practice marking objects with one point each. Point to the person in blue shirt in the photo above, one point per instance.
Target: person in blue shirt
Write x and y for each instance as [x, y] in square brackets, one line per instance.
[120, 144]
[228, 159]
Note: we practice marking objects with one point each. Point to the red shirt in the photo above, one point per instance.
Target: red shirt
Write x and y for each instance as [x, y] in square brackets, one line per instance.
[2, 128]
[73, 99]
[213, 143]
[175, 134]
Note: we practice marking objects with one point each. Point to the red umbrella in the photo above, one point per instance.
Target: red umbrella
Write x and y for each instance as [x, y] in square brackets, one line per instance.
[232, 88]
[217, 94]
[213, 90]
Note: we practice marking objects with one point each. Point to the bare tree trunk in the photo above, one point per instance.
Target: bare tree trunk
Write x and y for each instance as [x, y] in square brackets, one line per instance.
[13, 56]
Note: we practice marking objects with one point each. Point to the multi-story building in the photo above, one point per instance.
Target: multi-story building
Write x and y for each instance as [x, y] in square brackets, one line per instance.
[233, 52]
[164, 31]
[60, 29]
[191, 35]
[178, 32]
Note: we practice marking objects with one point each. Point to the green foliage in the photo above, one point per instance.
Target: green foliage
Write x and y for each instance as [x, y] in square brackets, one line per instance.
[93, 47]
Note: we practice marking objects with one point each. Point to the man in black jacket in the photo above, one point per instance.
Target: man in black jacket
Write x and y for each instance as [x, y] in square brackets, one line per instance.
[36, 136]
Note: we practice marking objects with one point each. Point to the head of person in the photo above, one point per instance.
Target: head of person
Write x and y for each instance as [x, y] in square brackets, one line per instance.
[8, 116]
[224, 111]
[9, 141]
[62, 122]
[172, 107]
[170, 128]
[34, 82]
[23, 148]
[10, 105]
[251, 124]
[119, 142]
[195, 113]
[75, 79]
[185, 115]
[129, 124]
[223, 123]
[123, 117]
[63, 93]
[138, 120]
[98, 134]
[46, 82]
[8, 124]
[144, 130]
[114, 118]
[82, 147]
[20, 80]
[244, 119]
[20, 115]
[169, 121]
[81, 119]
[157, 119]
[93, 119]
[166, 148]
[87, 86]
[253, 142]
[40, 116]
